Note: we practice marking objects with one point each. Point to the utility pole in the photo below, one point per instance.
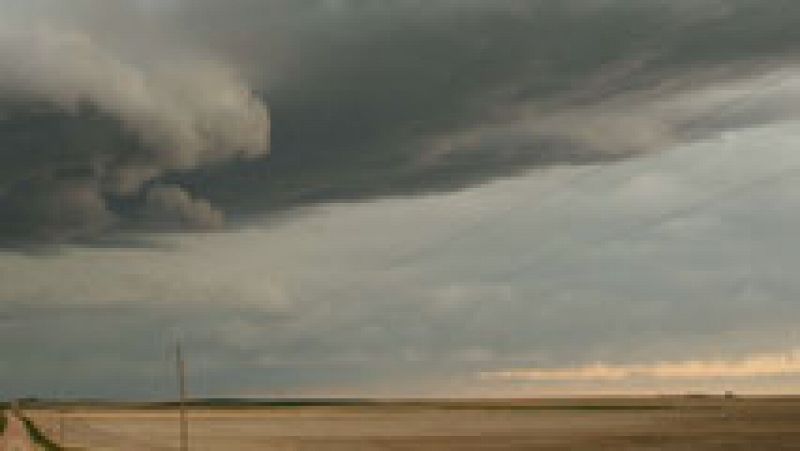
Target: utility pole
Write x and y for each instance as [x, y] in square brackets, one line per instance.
[61, 424]
[184, 425]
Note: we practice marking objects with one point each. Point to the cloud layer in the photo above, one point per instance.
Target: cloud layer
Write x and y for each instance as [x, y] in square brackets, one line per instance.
[366, 99]
[403, 97]
[554, 270]
[187, 115]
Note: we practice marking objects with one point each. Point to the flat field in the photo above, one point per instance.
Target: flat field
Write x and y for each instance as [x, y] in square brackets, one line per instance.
[624, 423]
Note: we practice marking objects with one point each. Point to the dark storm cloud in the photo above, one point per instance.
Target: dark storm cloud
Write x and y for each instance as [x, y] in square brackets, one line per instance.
[401, 97]
[370, 99]
[86, 123]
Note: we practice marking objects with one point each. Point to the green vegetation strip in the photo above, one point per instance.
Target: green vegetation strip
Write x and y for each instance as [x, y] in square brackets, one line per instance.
[38, 436]
[3, 421]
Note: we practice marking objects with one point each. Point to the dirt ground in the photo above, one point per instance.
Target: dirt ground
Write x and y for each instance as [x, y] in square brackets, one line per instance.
[15, 437]
[643, 423]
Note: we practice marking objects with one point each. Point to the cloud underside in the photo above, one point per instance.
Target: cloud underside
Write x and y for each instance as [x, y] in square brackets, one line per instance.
[364, 100]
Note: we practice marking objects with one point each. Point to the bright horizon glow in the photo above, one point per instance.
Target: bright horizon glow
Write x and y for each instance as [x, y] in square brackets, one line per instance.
[760, 365]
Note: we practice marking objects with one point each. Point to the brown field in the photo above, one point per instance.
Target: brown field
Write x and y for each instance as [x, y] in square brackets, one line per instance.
[641, 423]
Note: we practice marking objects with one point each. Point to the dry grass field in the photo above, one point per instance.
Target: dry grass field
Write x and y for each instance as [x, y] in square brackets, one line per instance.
[642, 423]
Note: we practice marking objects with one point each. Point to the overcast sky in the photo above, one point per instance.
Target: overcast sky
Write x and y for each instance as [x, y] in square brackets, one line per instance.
[399, 198]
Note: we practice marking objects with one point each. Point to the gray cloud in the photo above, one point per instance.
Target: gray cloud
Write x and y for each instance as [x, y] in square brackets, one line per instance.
[686, 254]
[403, 97]
[172, 207]
[138, 120]
[366, 99]
[320, 305]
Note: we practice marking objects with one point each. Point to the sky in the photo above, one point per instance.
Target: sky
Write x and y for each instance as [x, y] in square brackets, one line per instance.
[398, 198]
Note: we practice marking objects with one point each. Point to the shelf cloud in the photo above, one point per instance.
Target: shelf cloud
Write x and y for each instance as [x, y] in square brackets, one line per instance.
[262, 106]
[83, 124]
